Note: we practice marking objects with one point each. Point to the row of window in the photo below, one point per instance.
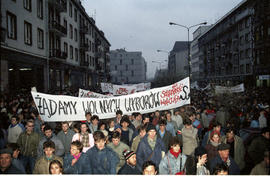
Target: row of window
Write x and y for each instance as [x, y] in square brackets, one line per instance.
[12, 31]
[27, 4]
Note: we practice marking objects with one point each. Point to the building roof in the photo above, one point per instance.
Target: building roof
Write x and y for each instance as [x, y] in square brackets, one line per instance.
[180, 46]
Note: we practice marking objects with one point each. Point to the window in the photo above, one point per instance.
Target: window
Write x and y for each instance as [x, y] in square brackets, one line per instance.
[27, 5]
[248, 68]
[40, 38]
[120, 61]
[76, 54]
[70, 10]
[75, 34]
[126, 67]
[90, 45]
[132, 73]
[115, 67]
[241, 69]
[120, 73]
[75, 15]
[11, 26]
[132, 61]
[71, 52]
[71, 31]
[65, 24]
[65, 48]
[40, 9]
[27, 33]
[90, 61]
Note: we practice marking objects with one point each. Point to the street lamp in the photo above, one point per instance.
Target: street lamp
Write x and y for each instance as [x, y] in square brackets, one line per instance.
[159, 62]
[188, 28]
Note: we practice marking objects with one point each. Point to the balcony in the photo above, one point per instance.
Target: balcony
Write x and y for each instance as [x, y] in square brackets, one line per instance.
[84, 46]
[58, 54]
[60, 5]
[84, 63]
[57, 28]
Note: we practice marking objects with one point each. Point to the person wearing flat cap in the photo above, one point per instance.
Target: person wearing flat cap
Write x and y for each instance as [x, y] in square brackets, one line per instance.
[130, 167]
[6, 162]
[224, 157]
[151, 147]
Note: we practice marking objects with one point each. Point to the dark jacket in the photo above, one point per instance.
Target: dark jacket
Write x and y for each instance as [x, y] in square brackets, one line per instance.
[129, 170]
[257, 148]
[145, 152]
[166, 139]
[28, 143]
[102, 161]
[11, 170]
[233, 168]
[80, 167]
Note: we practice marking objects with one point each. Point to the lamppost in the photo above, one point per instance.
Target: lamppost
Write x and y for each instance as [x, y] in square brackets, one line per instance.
[188, 28]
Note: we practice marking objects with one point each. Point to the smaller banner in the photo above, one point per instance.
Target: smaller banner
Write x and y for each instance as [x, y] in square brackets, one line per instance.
[235, 89]
[90, 94]
[123, 90]
[106, 87]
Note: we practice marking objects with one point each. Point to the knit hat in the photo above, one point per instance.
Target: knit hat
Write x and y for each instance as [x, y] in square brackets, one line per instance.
[127, 154]
[150, 127]
[199, 151]
[223, 146]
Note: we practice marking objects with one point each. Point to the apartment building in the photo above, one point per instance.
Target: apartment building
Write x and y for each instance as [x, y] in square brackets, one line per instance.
[236, 48]
[50, 44]
[127, 67]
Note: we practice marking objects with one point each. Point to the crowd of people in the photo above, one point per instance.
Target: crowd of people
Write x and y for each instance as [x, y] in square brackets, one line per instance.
[215, 134]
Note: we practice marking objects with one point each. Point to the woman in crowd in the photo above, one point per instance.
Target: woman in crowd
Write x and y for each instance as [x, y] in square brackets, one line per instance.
[56, 168]
[85, 137]
[212, 146]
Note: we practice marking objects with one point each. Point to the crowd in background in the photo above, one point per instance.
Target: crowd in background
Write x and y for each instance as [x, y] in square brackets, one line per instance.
[215, 134]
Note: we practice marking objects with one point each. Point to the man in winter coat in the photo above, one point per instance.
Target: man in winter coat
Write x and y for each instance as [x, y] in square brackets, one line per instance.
[237, 148]
[76, 162]
[130, 167]
[150, 148]
[6, 166]
[259, 145]
[43, 163]
[224, 157]
[59, 148]
[65, 136]
[189, 137]
[164, 134]
[137, 139]
[28, 142]
[102, 159]
[14, 130]
[118, 147]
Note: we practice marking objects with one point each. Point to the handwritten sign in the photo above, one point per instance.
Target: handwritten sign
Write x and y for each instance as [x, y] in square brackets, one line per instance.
[68, 108]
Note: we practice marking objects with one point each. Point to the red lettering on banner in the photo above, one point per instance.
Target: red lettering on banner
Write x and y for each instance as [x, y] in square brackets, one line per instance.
[170, 100]
[176, 89]
[122, 91]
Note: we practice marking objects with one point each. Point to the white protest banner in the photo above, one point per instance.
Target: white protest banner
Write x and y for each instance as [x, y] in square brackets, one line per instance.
[68, 108]
[235, 89]
[123, 89]
[106, 87]
[90, 94]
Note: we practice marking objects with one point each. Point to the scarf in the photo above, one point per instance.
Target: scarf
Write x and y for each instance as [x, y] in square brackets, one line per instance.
[175, 154]
[151, 142]
[85, 140]
[77, 156]
[214, 143]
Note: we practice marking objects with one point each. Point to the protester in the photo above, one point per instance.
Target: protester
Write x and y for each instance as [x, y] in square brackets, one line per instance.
[263, 168]
[42, 164]
[48, 135]
[130, 166]
[221, 169]
[164, 134]
[174, 161]
[224, 157]
[6, 166]
[138, 120]
[216, 127]
[28, 142]
[65, 136]
[201, 158]
[137, 139]
[76, 161]
[126, 132]
[237, 149]
[85, 137]
[102, 159]
[94, 124]
[15, 156]
[212, 147]
[56, 167]
[14, 130]
[150, 148]
[259, 145]
[118, 147]
[149, 168]
[189, 137]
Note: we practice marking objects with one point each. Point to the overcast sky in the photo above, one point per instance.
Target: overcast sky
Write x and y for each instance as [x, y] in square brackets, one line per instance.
[143, 25]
